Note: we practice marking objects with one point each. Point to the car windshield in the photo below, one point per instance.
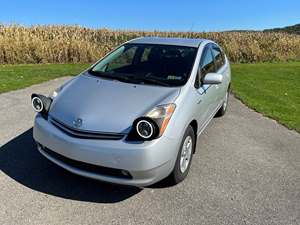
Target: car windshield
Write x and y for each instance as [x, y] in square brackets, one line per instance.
[164, 65]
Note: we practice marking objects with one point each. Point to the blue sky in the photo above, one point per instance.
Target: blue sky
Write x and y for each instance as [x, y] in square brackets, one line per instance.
[184, 15]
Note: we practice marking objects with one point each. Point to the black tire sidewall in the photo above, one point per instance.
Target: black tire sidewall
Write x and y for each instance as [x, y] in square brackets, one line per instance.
[176, 175]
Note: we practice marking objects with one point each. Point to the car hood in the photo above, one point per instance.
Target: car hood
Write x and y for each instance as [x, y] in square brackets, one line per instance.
[107, 105]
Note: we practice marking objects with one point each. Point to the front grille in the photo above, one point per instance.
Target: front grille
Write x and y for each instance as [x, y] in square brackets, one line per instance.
[85, 134]
[100, 170]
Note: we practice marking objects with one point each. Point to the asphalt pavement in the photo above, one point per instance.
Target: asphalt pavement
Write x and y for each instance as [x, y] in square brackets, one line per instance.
[246, 170]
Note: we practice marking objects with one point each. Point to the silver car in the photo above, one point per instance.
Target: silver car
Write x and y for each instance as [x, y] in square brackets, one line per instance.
[133, 117]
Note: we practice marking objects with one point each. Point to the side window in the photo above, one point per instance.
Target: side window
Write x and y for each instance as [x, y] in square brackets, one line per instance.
[207, 62]
[218, 57]
[206, 65]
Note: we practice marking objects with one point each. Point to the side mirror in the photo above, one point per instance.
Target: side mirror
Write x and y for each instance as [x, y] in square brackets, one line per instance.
[213, 78]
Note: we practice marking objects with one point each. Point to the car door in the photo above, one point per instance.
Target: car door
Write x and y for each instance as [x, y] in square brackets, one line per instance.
[221, 67]
[205, 93]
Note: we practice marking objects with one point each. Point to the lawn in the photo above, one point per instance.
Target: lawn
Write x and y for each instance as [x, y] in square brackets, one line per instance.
[270, 88]
[14, 77]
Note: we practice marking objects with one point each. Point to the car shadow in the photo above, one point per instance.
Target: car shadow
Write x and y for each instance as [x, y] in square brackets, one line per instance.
[20, 160]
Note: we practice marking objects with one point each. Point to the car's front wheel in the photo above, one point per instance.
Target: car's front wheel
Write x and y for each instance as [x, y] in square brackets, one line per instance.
[184, 157]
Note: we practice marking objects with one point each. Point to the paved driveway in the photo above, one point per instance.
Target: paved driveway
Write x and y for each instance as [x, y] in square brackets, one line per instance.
[246, 171]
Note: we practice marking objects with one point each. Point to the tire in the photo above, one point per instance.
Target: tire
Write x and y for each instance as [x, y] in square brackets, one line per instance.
[180, 170]
[222, 110]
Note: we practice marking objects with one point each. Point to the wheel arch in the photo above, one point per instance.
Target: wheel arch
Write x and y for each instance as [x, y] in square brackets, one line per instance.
[194, 125]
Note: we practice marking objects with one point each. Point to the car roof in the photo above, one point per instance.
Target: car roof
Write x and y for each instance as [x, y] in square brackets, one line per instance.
[189, 42]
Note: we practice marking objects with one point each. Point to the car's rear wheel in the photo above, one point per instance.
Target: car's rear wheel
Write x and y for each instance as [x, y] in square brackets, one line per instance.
[223, 108]
[184, 157]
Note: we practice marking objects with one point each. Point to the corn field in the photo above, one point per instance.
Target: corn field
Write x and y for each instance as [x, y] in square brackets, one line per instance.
[74, 44]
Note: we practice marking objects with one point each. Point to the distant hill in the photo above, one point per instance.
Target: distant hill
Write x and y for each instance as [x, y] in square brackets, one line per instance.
[295, 29]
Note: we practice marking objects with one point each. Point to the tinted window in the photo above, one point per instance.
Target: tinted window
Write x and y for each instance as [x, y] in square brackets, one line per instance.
[218, 57]
[167, 64]
[207, 62]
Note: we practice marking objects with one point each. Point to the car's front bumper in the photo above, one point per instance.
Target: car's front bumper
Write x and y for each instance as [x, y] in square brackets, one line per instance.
[146, 162]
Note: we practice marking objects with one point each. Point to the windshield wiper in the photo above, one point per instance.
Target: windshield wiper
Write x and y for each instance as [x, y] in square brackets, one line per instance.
[105, 75]
[153, 81]
[128, 78]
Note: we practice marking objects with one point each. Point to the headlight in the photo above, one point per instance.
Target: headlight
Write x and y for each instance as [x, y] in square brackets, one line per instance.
[153, 124]
[37, 104]
[162, 115]
[41, 103]
[146, 128]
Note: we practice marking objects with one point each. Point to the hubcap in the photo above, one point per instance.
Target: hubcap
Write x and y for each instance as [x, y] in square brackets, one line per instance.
[186, 153]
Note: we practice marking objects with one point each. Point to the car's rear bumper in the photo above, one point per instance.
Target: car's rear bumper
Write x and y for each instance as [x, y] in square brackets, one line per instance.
[146, 162]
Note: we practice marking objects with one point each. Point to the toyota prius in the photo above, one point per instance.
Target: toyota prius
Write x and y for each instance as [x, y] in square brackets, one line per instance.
[133, 117]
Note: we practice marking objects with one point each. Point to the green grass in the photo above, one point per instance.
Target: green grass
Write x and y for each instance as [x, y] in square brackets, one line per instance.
[272, 89]
[14, 77]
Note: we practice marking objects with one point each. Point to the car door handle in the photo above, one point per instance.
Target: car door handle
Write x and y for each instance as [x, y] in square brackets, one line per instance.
[199, 101]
